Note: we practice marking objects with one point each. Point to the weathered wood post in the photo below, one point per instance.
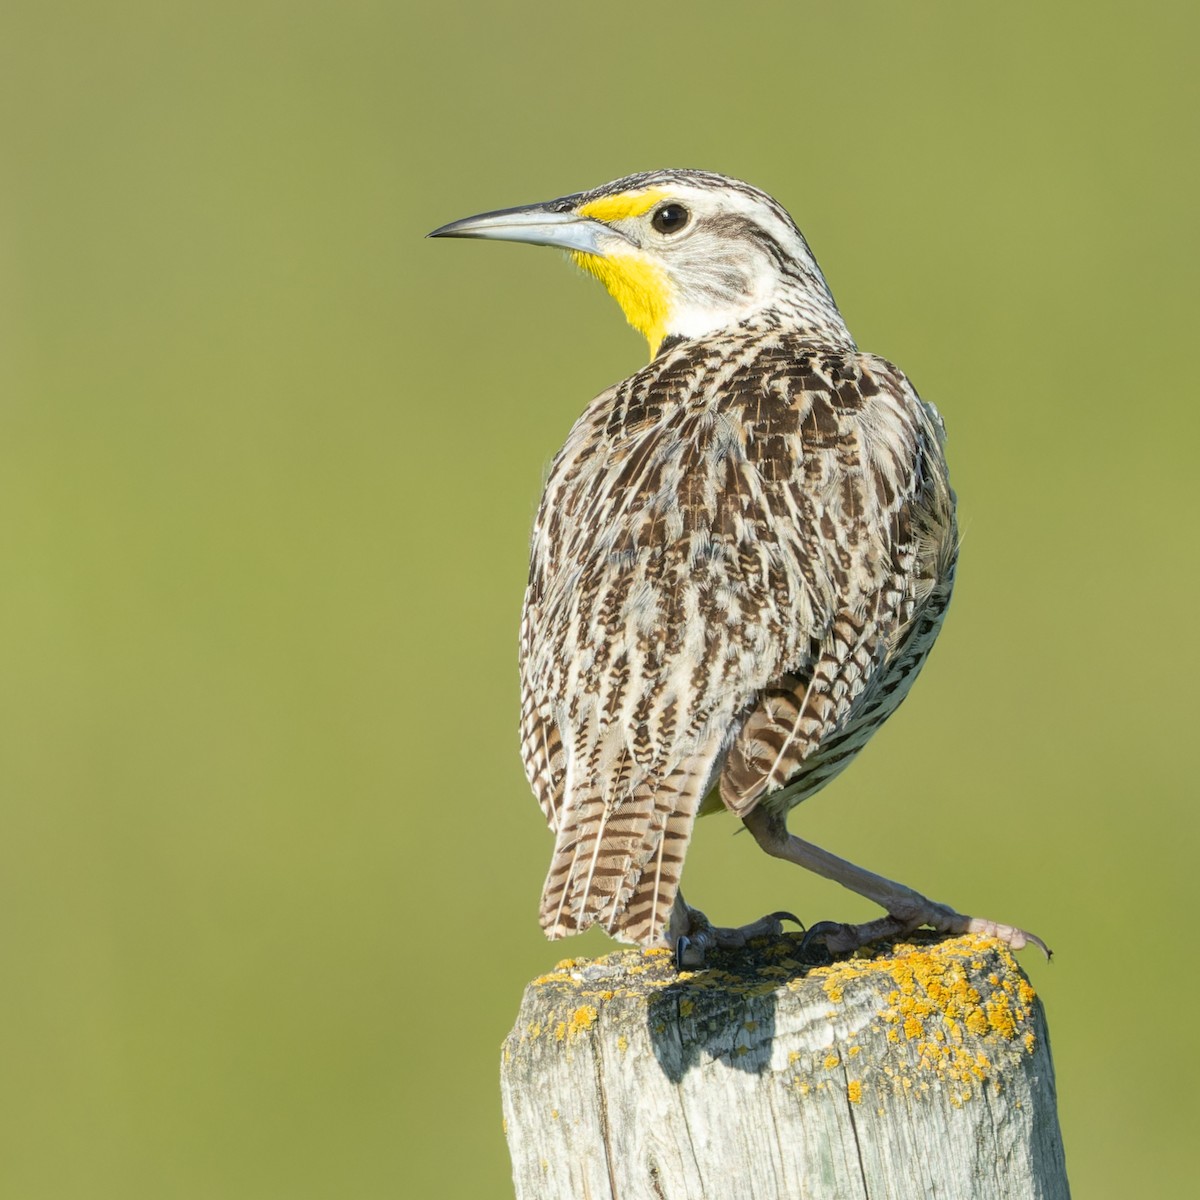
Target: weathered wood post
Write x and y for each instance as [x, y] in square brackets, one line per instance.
[919, 1071]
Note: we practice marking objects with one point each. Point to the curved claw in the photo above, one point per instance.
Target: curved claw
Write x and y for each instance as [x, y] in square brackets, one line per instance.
[1014, 938]
[816, 934]
[680, 950]
[787, 916]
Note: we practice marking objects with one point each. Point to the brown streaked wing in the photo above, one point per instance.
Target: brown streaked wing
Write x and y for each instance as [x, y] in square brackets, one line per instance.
[894, 509]
[728, 516]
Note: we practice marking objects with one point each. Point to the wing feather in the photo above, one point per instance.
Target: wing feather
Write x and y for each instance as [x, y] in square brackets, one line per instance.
[722, 560]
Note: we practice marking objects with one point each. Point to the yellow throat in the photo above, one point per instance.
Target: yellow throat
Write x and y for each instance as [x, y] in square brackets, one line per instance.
[639, 285]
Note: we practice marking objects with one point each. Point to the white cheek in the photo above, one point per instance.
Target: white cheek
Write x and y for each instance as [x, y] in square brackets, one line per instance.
[713, 295]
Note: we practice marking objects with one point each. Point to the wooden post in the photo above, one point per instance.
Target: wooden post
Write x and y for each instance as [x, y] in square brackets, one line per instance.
[920, 1071]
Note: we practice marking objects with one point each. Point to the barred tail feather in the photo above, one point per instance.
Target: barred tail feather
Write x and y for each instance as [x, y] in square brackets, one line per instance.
[619, 864]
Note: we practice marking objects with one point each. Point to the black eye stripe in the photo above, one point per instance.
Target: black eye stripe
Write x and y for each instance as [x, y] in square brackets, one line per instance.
[670, 218]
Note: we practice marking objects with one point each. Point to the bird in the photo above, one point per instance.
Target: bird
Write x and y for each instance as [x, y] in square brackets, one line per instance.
[742, 557]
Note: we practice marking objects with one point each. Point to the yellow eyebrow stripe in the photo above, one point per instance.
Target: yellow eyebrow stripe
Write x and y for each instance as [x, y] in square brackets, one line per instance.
[625, 204]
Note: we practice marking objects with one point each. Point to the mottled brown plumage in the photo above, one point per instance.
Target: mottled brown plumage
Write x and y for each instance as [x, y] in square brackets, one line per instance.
[740, 563]
[734, 552]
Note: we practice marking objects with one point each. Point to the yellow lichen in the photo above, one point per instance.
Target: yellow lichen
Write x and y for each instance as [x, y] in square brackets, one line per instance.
[1000, 1016]
[833, 989]
[584, 1017]
[940, 1008]
[854, 1091]
[953, 1015]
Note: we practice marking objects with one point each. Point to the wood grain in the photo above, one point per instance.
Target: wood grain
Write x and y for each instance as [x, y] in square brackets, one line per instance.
[922, 1070]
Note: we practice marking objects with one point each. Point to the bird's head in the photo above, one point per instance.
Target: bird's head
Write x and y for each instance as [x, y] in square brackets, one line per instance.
[684, 253]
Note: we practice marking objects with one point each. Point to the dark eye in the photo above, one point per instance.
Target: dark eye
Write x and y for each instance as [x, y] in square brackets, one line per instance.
[671, 218]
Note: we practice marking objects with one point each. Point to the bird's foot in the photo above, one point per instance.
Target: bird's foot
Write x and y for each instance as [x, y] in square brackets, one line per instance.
[701, 935]
[906, 910]
[837, 938]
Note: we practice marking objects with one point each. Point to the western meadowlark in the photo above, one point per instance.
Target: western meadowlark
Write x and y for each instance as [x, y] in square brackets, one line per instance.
[741, 561]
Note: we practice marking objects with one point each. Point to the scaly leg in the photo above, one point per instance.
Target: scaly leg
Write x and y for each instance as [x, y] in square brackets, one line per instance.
[907, 910]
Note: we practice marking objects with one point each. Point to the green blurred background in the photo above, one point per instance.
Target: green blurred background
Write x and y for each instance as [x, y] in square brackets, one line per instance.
[268, 461]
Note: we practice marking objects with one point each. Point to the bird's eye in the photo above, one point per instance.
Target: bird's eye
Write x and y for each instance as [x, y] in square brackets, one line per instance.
[671, 218]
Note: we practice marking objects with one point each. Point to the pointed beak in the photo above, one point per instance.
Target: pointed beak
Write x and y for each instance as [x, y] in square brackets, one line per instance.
[537, 224]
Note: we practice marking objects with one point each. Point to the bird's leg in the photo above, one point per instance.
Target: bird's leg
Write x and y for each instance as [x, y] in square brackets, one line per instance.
[907, 910]
[690, 934]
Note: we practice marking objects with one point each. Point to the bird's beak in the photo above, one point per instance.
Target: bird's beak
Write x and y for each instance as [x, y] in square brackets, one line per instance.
[537, 224]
